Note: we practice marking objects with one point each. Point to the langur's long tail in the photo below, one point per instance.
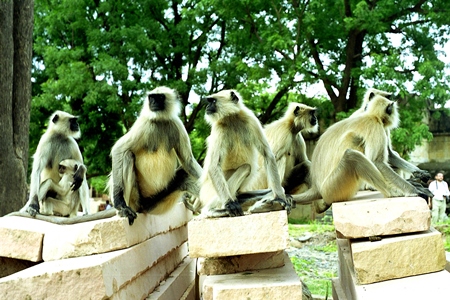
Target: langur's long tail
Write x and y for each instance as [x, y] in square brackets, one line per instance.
[310, 196]
[68, 221]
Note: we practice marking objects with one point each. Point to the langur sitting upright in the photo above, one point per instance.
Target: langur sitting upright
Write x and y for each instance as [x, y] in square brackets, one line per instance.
[394, 159]
[146, 160]
[58, 144]
[288, 146]
[231, 161]
[352, 151]
[56, 198]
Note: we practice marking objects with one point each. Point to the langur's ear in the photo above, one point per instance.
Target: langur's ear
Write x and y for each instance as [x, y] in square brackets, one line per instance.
[371, 95]
[234, 97]
[296, 111]
[55, 119]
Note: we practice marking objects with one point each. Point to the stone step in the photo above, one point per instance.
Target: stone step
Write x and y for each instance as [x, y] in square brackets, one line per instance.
[110, 234]
[91, 277]
[239, 263]
[22, 238]
[278, 283]
[398, 256]
[380, 217]
[256, 233]
[178, 282]
[426, 286]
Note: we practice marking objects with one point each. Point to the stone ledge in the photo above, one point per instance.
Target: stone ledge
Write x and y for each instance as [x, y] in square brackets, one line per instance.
[90, 277]
[22, 238]
[279, 283]
[111, 234]
[256, 233]
[380, 217]
[426, 286]
[398, 256]
[239, 263]
[177, 283]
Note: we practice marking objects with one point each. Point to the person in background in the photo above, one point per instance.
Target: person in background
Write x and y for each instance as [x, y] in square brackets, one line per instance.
[439, 188]
[108, 205]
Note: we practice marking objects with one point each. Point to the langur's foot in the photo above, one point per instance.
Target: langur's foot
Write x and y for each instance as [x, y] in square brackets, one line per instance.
[127, 212]
[320, 206]
[234, 209]
[33, 209]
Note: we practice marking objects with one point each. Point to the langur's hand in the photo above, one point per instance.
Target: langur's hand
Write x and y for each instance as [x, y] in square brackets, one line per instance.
[77, 180]
[423, 175]
[234, 209]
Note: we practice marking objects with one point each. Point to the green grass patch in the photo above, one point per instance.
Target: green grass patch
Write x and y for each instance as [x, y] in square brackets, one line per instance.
[320, 284]
[313, 227]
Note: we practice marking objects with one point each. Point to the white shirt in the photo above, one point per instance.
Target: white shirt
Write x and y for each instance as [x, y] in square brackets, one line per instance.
[439, 189]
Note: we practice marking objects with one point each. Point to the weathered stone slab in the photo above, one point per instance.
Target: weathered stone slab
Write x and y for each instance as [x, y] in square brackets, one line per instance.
[21, 238]
[336, 289]
[145, 283]
[397, 257]
[177, 283]
[239, 263]
[279, 283]
[90, 277]
[381, 217]
[426, 286]
[257, 233]
[190, 293]
[110, 234]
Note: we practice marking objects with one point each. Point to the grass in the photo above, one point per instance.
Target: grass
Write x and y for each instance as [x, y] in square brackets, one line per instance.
[318, 282]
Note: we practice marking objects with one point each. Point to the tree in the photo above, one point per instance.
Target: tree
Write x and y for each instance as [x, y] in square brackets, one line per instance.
[96, 58]
[16, 27]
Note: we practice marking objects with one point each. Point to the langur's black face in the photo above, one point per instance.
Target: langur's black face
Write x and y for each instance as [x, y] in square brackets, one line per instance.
[157, 102]
[210, 105]
[313, 118]
[73, 124]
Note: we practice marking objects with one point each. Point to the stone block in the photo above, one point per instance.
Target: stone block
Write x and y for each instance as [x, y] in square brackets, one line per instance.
[336, 289]
[145, 283]
[177, 283]
[427, 286]
[279, 283]
[398, 256]
[381, 217]
[22, 237]
[257, 233]
[239, 263]
[110, 234]
[190, 293]
[90, 277]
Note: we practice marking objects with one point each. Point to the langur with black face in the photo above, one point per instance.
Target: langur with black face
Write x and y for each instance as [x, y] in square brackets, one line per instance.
[394, 159]
[288, 145]
[153, 164]
[231, 161]
[58, 144]
[56, 198]
[353, 151]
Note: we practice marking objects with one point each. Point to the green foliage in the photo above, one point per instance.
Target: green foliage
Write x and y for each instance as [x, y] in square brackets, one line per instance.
[96, 59]
[321, 286]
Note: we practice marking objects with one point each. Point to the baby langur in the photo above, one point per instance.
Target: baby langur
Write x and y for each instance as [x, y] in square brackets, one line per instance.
[355, 150]
[231, 161]
[56, 198]
[58, 144]
[288, 146]
[394, 159]
[146, 161]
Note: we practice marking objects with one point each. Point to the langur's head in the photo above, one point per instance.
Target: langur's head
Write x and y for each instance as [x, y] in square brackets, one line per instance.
[370, 93]
[65, 124]
[223, 104]
[303, 117]
[161, 103]
[67, 166]
[384, 109]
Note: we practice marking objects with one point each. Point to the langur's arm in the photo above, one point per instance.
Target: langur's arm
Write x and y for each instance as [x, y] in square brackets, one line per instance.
[184, 153]
[78, 177]
[217, 177]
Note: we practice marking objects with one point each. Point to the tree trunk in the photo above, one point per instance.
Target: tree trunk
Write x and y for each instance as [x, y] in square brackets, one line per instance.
[16, 39]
